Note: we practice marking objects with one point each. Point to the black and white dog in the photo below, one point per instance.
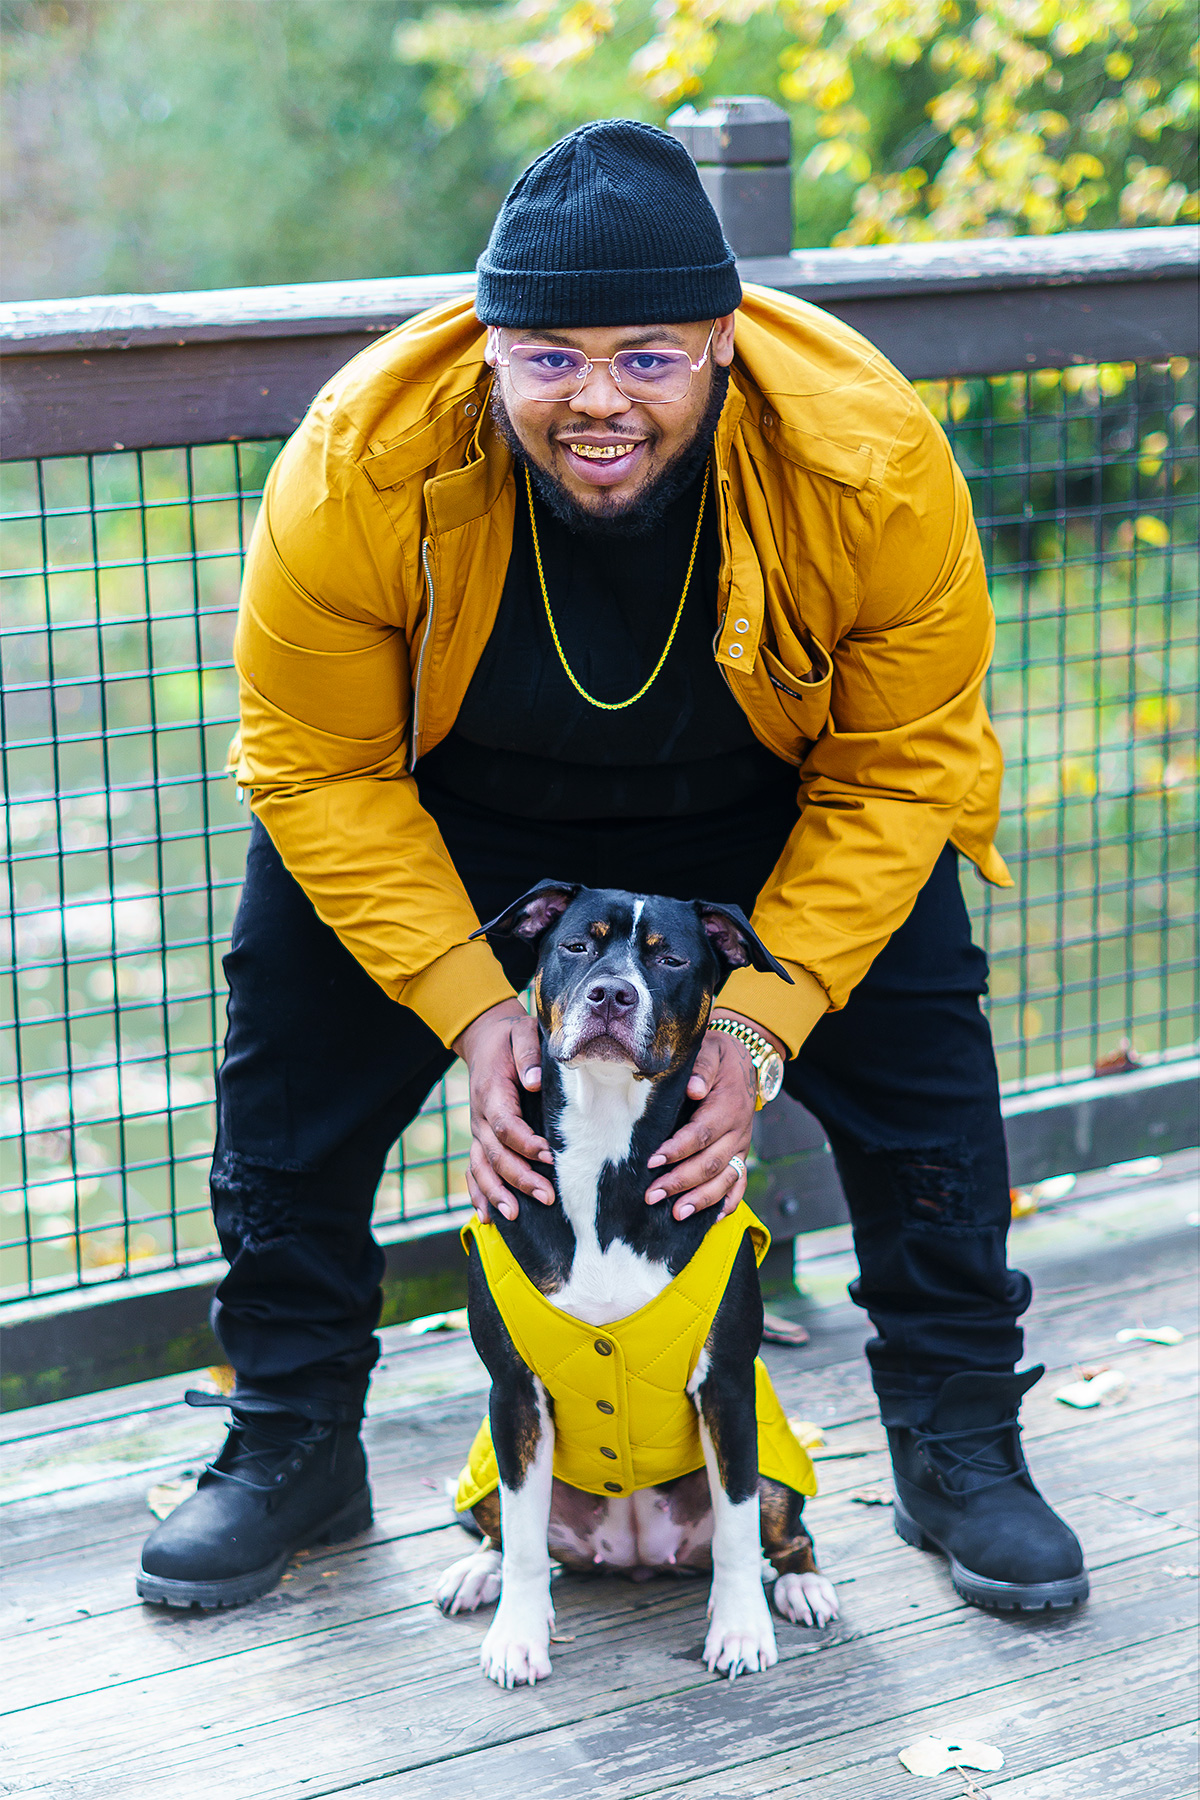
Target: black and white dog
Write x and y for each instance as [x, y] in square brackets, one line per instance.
[624, 986]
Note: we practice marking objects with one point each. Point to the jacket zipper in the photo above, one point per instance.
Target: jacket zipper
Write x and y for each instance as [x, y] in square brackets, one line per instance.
[416, 718]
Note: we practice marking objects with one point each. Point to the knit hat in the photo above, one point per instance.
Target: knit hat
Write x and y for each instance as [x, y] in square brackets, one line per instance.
[610, 226]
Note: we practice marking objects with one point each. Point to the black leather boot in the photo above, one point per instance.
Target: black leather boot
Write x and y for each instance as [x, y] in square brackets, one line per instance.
[281, 1482]
[962, 1487]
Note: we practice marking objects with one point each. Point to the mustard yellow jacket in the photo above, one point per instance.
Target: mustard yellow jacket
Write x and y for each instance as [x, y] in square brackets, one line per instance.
[638, 1367]
[854, 631]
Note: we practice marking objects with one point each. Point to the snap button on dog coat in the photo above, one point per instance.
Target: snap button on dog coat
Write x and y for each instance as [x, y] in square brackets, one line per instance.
[629, 1403]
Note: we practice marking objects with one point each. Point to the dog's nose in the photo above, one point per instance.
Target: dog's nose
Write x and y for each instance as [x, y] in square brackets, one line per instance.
[611, 997]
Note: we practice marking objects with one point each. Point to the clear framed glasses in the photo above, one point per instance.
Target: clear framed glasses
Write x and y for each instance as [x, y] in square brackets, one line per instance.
[555, 372]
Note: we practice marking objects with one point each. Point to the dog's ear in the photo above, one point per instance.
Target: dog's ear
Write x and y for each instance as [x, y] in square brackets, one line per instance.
[533, 913]
[735, 940]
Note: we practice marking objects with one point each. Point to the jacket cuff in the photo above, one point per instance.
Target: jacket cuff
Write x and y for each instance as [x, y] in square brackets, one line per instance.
[452, 992]
[788, 1013]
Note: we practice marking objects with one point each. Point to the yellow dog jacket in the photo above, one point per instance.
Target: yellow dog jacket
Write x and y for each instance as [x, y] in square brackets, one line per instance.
[623, 1419]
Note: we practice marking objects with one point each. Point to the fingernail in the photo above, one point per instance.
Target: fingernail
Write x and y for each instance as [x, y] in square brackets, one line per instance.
[656, 1161]
[546, 1156]
[655, 1195]
[545, 1195]
[684, 1212]
[531, 1075]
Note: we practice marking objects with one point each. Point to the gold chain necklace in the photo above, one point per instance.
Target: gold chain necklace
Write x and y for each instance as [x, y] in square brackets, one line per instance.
[610, 705]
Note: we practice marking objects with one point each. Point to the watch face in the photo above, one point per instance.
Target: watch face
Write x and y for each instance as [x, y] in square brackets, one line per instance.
[770, 1076]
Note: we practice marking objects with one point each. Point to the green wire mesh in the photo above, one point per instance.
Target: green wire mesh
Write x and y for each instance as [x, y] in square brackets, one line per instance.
[118, 579]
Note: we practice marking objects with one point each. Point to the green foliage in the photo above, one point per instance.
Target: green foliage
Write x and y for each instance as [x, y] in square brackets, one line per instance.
[160, 144]
[914, 118]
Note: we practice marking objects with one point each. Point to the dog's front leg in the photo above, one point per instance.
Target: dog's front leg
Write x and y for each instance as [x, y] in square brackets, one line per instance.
[740, 1634]
[517, 1646]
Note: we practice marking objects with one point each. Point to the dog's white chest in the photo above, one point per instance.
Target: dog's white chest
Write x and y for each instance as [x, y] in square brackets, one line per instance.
[603, 1104]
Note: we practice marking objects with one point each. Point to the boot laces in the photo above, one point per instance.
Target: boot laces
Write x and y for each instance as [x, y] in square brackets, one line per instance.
[260, 1442]
[956, 1466]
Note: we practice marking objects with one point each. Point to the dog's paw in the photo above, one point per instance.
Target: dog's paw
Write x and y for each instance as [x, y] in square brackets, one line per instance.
[741, 1637]
[806, 1599]
[471, 1582]
[516, 1650]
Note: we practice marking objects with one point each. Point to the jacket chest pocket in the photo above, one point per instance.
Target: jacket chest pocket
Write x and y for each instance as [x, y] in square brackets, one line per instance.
[795, 682]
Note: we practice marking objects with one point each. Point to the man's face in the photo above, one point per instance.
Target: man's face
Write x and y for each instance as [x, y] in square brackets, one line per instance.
[602, 449]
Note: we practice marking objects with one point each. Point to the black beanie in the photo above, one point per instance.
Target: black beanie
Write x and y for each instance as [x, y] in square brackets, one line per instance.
[610, 226]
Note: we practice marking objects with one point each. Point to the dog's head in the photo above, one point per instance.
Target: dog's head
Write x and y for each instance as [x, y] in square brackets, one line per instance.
[628, 978]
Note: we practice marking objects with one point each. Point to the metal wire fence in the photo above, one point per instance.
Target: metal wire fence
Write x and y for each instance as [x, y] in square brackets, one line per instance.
[119, 577]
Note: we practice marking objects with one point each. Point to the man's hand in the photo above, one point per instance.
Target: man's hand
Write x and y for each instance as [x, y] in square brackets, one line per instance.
[725, 1081]
[502, 1054]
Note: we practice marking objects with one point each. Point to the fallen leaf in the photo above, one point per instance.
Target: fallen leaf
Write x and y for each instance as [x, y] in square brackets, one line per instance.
[165, 1496]
[810, 1435]
[1023, 1202]
[1181, 1571]
[872, 1496]
[778, 1330]
[1121, 1060]
[933, 1756]
[222, 1377]
[443, 1321]
[1094, 1389]
[1150, 1334]
[565, 1638]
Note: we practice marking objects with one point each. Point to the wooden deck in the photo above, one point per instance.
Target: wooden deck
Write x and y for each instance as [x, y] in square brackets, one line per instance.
[346, 1680]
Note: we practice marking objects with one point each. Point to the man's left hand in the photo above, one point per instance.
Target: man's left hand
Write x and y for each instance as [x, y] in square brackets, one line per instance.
[699, 1154]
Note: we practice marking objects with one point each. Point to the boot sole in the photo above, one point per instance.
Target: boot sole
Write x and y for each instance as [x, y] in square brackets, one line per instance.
[983, 1590]
[237, 1590]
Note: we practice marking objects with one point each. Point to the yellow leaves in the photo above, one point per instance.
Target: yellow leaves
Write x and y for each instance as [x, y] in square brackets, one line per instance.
[821, 77]
[1156, 714]
[1079, 168]
[1152, 531]
[953, 106]
[833, 157]
[1003, 164]
[1150, 195]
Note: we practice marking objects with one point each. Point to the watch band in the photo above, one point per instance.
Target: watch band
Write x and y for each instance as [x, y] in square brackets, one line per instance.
[763, 1053]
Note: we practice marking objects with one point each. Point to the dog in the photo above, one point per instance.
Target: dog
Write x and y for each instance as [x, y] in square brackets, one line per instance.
[628, 1411]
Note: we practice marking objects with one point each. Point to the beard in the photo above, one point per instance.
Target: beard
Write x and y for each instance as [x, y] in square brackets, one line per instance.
[614, 519]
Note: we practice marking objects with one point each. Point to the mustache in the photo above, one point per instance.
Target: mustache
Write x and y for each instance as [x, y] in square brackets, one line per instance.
[645, 514]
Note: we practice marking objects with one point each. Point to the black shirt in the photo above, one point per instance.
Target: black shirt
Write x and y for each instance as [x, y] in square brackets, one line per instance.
[526, 743]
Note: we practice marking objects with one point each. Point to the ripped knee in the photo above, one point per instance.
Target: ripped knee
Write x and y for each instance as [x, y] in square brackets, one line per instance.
[934, 1186]
[258, 1202]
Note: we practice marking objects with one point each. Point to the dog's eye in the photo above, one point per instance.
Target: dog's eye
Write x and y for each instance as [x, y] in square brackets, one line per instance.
[672, 962]
[577, 947]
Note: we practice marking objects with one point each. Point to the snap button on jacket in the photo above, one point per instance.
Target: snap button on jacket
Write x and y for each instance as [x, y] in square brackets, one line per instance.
[623, 1419]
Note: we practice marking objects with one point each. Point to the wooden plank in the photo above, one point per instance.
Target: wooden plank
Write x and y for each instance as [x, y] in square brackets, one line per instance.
[620, 1647]
[1106, 1703]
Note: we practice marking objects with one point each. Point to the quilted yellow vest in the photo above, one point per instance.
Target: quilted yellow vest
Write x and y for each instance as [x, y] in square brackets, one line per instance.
[622, 1416]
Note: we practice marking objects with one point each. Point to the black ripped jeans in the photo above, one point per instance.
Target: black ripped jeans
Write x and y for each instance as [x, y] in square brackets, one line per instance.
[322, 1072]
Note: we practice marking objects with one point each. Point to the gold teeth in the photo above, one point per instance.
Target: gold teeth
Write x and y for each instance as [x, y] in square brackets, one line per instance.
[602, 453]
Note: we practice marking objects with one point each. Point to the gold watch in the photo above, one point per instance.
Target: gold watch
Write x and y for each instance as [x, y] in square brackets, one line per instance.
[768, 1064]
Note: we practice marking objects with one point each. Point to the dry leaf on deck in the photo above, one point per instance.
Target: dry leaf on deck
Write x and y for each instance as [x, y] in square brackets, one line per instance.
[778, 1330]
[444, 1321]
[1094, 1389]
[872, 1496]
[165, 1496]
[1181, 1571]
[933, 1756]
[1150, 1334]
[222, 1377]
[810, 1435]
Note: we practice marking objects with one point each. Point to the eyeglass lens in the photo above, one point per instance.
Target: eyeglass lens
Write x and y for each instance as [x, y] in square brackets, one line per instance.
[547, 372]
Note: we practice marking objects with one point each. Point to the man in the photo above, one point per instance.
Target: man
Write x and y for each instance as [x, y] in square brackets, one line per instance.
[623, 578]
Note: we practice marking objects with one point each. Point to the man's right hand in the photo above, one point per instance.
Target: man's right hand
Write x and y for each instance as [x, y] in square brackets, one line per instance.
[502, 1054]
